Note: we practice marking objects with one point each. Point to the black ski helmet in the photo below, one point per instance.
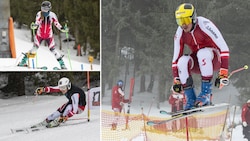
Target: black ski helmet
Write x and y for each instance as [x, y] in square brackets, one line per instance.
[46, 6]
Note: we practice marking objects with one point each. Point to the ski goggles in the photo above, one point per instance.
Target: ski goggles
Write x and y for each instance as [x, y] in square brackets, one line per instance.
[182, 21]
[45, 9]
[63, 88]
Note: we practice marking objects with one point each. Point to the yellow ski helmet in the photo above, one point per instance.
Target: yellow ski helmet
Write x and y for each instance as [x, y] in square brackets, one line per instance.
[185, 14]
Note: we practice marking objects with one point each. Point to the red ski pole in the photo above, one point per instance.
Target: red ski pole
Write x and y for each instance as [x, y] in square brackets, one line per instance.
[225, 81]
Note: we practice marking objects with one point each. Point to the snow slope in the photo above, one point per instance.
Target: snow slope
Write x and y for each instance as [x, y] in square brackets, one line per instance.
[24, 111]
[44, 56]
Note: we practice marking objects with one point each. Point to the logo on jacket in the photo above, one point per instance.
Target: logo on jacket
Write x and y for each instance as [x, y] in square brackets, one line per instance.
[211, 30]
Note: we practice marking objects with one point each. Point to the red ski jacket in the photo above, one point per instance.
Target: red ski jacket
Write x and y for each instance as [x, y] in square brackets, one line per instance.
[245, 114]
[117, 98]
[177, 100]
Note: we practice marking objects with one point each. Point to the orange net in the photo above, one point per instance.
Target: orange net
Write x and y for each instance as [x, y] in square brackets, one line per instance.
[129, 127]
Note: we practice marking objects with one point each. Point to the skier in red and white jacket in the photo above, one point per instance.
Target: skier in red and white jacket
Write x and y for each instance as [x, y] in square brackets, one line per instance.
[245, 117]
[177, 100]
[43, 24]
[117, 102]
[209, 53]
[75, 105]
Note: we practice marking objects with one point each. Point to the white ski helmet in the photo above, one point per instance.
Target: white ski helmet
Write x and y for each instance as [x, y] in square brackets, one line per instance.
[64, 83]
[46, 6]
[248, 101]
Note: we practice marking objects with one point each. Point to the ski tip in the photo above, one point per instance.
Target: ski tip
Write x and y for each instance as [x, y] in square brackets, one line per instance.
[151, 123]
[43, 68]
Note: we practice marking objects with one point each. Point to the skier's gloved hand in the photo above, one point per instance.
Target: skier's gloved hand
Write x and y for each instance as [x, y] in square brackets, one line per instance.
[63, 119]
[177, 86]
[126, 100]
[121, 103]
[39, 90]
[33, 26]
[244, 124]
[64, 29]
[222, 78]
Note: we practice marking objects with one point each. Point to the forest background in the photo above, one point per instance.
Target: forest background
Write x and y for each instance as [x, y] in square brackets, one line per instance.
[146, 28]
[81, 16]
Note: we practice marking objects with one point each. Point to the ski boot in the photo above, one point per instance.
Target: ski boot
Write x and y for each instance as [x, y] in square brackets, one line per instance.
[62, 64]
[204, 97]
[53, 123]
[24, 60]
[43, 123]
[191, 98]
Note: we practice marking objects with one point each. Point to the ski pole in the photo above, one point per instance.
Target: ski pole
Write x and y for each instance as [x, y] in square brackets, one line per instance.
[144, 121]
[245, 67]
[226, 116]
[225, 81]
[88, 81]
[67, 37]
[151, 105]
[233, 123]
[34, 36]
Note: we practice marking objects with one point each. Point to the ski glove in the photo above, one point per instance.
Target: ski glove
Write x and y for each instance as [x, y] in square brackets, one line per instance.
[33, 26]
[244, 124]
[39, 90]
[121, 103]
[64, 29]
[222, 78]
[63, 119]
[126, 101]
[177, 86]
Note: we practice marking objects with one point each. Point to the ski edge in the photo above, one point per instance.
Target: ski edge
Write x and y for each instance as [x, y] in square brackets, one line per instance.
[194, 109]
[152, 123]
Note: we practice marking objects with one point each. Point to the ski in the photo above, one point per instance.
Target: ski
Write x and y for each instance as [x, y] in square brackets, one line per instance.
[39, 128]
[56, 68]
[193, 110]
[183, 114]
[42, 68]
[27, 129]
[180, 116]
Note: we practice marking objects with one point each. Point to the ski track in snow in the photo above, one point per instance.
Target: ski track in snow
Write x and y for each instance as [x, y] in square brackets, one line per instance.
[31, 110]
